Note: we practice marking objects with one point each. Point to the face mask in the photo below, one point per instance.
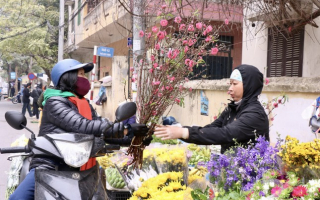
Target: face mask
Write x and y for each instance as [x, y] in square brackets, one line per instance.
[82, 86]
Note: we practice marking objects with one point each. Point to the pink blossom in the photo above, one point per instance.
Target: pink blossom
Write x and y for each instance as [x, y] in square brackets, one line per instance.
[209, 29]
[141, 33]
[156, 82]
[164, 22]
[162, 88]
[199, 25]
[172, 78]
[182, 27]
[208, 38]
[215, 117]
[204, 33]
[169, 54]
[160, 94]
[191, 63]
[148, 35]
[131, 69]
[159, 13]
[275, 105]
[152, 58]
[191, 42]
[151, 70]
[181, 88]
[190, 69]
[186, 79]
[276, 191]
[177, 20]
[161, 35]
[186, 61]
[155, 65]
[167, 87]
[177, 101]
[133, 80]
[267, 81]
[157, 46]
[186, 48]
[184, 42]
[191, 28]
[154, 113]
[164, 6]
[155, 29]
[226, 21]
[214, 51]
[175, 53]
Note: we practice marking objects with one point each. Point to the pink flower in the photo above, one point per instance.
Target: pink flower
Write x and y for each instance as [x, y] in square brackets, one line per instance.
[267, 81]
[186, 48]
[155, 29]
[181, 88]
[175, 53]
[190, 28]
[157, 46]
[169, 54]
[133, 80]
[148, 35]
[156, 82]
[154, 113]
[182, 27]
[177, 101]
[199, 25]
[172, 78]
[275, 105]
[186, 79]
[186, 61]
[279, 100]
[167, 87]
[276, 191]
[163, 22]
[215, 117]
[177, 20]
[155, 65]
[141, 33]
[191, 42]
[152, 58]
[131, 69]
[164, 6]
[299, 191]
[191, 63]
[204, 33]
[184, 42]
[161, 35]
[214, 51]
[159, 13]
[162, 88]
[208, 38]
[160, 94]
[190, 69]
[209, 29]
[226, 21]
[151, 70]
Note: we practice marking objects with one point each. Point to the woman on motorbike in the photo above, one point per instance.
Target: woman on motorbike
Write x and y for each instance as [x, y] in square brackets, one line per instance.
[66, 110]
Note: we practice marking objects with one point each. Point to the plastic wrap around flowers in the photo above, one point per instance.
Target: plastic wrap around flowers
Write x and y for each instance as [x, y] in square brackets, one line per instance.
[240, 168]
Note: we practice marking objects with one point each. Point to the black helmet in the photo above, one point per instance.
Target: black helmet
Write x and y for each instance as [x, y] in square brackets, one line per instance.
[168, 120]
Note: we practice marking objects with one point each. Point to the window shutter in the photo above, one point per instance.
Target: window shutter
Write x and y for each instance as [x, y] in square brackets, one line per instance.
[285, 54]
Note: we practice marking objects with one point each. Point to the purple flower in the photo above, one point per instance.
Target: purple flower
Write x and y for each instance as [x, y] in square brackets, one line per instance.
[262, 194]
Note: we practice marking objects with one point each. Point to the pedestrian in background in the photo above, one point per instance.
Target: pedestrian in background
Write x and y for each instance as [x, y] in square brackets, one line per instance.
[35, 95]
[12, 91]
[26, 100]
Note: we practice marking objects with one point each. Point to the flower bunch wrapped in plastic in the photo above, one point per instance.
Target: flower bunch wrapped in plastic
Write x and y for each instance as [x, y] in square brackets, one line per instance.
[276, 186]
[164, 186]
[241, 167]
[302, 157]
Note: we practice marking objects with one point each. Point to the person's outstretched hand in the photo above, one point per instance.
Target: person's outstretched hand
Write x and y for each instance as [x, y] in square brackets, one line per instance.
[171, 132]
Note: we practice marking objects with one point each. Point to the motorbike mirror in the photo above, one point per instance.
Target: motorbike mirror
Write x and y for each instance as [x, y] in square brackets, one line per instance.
[16, 119]
[125, 111]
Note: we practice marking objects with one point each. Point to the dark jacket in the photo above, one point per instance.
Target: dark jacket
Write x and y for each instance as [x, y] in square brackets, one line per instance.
[62, 116]
[35, 94]
[241, 122]
[26, 95]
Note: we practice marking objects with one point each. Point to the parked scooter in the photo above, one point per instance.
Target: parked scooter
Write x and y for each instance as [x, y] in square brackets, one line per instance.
[16, 99]
[75, 150]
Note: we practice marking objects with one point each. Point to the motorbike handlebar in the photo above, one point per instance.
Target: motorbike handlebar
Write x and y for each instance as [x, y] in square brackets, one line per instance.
[24, 149]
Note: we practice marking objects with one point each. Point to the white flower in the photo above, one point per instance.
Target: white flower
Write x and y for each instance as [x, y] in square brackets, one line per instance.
[266, 187]
[271, 184]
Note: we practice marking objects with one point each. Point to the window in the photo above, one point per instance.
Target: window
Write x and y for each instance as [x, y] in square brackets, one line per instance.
[79, 12]
[285, 54]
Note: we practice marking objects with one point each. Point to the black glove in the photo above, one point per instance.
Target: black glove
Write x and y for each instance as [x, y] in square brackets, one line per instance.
[115, 131]
[147, 141]
[138, 129]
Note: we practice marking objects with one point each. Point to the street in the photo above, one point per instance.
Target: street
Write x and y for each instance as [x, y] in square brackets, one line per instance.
[9, 135]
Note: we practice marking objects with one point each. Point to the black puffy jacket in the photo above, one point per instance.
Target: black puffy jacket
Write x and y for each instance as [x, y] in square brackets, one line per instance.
[62, 116]
[242, 122]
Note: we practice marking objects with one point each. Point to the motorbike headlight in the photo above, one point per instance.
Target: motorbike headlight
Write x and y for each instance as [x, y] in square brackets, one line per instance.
[75, 154]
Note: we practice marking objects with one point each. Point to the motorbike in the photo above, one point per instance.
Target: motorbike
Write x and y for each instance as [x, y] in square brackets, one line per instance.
[16, 99]
[75, 150]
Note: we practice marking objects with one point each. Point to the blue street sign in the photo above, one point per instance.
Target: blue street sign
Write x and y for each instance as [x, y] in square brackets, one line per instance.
[105, 52]
[130, 42]
[13, 75]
